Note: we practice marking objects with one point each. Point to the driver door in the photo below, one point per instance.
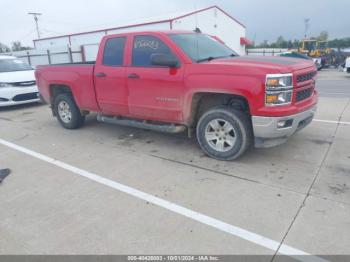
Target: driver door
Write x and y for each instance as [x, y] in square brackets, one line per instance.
[155, 92]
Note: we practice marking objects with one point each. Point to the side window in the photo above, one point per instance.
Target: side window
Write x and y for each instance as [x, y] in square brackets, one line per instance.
[144, 47]
[114, 52]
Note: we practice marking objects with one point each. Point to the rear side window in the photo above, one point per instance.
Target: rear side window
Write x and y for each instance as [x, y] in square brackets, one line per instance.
[144, 47]
[114, 51]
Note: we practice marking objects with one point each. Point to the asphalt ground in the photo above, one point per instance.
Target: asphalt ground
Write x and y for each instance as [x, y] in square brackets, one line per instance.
[108, 190]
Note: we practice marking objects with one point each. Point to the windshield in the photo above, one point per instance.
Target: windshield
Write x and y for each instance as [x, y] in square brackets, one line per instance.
[323, 45]
[310, 46]
[200, 47]
[10, 65]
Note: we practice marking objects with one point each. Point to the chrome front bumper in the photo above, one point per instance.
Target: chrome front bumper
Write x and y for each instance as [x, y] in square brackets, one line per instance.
[268, 134]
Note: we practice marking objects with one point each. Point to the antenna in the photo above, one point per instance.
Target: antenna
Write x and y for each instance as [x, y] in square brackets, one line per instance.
[197, 30]
[35, 15]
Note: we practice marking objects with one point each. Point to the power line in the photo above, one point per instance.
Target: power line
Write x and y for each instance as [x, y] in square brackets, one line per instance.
[35, 15]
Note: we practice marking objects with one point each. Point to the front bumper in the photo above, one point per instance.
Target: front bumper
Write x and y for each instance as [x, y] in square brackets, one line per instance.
[18, 95]
[268, 134]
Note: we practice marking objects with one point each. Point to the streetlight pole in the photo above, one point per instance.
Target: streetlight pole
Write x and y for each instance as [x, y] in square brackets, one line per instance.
[35, 15]
[307, 25]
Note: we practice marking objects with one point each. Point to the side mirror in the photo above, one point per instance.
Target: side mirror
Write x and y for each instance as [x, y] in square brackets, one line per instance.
[164, 60]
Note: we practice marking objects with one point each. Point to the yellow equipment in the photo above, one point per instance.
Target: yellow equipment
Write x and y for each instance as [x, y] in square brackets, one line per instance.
[314, 48]
[308, 47]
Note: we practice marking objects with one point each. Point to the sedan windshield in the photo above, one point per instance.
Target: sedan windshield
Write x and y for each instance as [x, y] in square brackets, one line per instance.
[11, 65]
[200, 47]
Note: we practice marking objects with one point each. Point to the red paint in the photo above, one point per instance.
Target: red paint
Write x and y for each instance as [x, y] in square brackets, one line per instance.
[165, 94]
[206, 9]
[245, 41]
[218, 39]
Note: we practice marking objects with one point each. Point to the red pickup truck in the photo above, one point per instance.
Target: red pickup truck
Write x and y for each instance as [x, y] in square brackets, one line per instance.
[173, 81]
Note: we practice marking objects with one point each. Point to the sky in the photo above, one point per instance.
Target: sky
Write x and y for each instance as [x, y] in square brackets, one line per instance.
[264, 19]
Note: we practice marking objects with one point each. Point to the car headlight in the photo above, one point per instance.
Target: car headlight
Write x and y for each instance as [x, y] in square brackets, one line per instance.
[279, 89]
[5, 85]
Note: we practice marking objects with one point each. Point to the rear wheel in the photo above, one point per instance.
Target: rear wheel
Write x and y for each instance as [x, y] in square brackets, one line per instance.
[224, 133]
[68, 113]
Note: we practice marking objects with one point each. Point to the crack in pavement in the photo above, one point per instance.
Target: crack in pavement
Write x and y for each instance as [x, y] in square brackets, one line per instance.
[313, 181]
[228, 175]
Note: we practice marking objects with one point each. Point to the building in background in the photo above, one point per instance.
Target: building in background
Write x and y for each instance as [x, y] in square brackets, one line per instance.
[81, 47]
[212, 20]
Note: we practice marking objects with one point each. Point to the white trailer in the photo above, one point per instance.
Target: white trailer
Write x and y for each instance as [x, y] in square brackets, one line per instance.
[212, 20]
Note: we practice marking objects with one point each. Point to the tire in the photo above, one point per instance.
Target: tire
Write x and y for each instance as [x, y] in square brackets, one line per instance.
[234, 138]
[67, 112]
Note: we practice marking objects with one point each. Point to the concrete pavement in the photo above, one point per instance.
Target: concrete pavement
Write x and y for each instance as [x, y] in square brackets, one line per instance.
[296, 194]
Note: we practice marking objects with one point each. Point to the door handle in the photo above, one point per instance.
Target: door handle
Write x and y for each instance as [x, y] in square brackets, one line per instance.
[101, 75]
[133, 76]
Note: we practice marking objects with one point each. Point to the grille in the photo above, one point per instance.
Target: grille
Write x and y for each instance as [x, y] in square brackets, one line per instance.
[24, 84]
[304, 94]
[25, 97]
[306, 77]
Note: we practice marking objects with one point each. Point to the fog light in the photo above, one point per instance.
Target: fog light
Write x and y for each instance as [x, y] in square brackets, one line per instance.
[278, 98]
[285, 123]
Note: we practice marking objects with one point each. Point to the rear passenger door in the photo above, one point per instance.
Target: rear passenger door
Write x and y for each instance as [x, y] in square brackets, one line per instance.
[110, 77]
[155, 92]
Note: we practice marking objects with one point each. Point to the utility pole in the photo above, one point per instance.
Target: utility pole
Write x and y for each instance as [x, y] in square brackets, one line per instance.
[307, 25]
[35, 15]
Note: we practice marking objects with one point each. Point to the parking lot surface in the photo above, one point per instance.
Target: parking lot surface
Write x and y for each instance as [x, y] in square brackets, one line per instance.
[67, 194]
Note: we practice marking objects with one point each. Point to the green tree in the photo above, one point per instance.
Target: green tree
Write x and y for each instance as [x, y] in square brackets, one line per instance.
[4, 48]
[339, 43]
[17, 46]
[323, 36]
[280, 43]
[296, 44]
[264, 44]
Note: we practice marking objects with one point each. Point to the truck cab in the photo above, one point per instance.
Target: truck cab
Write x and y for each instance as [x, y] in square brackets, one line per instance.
[173, 81]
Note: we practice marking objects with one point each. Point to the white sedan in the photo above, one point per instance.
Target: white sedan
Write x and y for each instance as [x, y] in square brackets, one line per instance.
[347, 65]
[17, 82]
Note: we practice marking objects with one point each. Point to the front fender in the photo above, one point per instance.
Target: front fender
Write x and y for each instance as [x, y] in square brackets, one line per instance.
[249, 87]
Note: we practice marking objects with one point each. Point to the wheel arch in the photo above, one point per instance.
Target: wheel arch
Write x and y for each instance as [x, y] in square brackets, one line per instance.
[202, 101]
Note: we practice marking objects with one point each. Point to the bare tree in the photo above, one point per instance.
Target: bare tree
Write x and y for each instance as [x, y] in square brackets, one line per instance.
[4, 48]
[17, 46]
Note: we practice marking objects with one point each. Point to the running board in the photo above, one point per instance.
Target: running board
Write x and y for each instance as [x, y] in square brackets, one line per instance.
[166, 128]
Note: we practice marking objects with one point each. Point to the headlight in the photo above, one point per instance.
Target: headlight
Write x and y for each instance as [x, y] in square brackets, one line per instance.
[5, 85]
[274, 82]
[279, 89]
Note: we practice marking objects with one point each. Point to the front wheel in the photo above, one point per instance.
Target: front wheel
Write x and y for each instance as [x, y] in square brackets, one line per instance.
[224, 133]
[68, 113]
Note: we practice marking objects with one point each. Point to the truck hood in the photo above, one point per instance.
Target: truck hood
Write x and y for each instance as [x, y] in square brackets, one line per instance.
[17, 76]
[269, 63]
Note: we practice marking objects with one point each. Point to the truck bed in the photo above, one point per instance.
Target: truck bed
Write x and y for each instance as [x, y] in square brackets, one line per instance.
[79, 77]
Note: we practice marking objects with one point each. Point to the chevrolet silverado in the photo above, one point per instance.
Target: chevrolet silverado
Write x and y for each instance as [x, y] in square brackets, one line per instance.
[173, 81]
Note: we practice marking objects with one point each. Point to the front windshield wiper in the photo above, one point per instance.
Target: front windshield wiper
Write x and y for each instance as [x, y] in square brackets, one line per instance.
[206, 59]
[210, 58]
